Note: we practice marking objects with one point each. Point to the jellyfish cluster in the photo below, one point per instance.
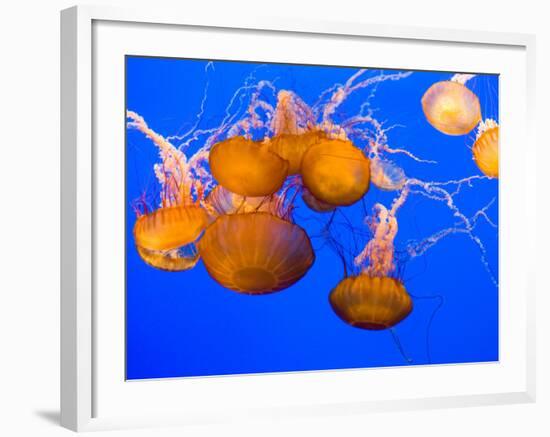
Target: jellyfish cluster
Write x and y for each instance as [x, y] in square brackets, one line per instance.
[231, 203]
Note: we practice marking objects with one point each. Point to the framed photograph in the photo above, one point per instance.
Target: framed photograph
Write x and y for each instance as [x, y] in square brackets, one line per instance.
[270, 218]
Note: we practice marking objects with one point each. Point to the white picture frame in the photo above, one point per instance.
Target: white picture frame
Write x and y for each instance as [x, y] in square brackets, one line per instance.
[81, 369]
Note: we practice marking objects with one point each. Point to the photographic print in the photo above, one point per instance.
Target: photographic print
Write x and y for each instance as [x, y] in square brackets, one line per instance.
[288, 217]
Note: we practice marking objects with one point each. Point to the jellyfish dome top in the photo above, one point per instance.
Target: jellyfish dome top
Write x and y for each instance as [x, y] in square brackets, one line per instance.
[247, 167]
[336, 172]
[170, 228]
[485, 149]
[451, 108]
[255, 253]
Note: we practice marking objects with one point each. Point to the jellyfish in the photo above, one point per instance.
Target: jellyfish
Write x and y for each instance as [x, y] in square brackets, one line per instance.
[374, 299]
[255, 253]
[387, 176]
[165, 236]
[371, 302]
[336, 172]
[246, 167]
[485, 148]
[450, 107]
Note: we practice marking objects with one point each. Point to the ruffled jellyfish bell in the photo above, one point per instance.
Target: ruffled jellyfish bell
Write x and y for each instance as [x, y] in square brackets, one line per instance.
[372, 303]
[255, 253]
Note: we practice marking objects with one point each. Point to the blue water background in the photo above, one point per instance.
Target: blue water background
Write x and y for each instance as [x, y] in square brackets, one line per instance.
[185, 324]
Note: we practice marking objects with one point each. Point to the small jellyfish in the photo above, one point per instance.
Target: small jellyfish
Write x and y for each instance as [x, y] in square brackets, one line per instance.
[246, 167]
[387, 176]
[164, 238]
[369, 302]
[315, 204]
[222, 201]
[255, 253]
[336, 172]
[175, 260]
[451, 108]
[485, 148]
[291, 147]
[170, 228]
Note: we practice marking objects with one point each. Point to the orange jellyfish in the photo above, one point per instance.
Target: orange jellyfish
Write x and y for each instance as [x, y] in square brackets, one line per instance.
[164, 237]
[373, 303]
[387, 176]
[246, 167]
[255, 253]
[336, 172]
[374, 299]
[451, 108]
[485, 148]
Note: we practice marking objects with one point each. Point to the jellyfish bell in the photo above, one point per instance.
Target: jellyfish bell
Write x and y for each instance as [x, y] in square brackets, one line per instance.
[485, 148]
[371, 302]
[315, 204]
[174, 260]
[451, 108]
[255, 253]
[170, 228]
[387, 176]
[336, 172]
[246, 167]
[291, 147]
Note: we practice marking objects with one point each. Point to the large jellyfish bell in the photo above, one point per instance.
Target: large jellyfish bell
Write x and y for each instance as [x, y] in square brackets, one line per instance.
[255, 253]
[246, 167]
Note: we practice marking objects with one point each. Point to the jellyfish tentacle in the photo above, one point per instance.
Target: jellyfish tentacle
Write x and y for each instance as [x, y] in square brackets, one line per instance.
[399, 345]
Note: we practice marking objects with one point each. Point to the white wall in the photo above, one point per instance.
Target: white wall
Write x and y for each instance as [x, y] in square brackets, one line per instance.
[29, 218]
